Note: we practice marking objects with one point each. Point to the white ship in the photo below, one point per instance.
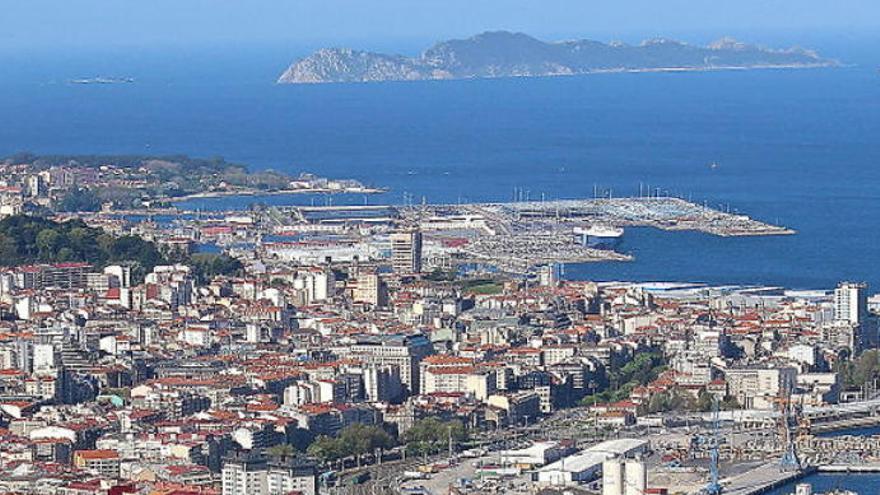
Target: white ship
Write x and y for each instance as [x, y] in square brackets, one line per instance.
[600, 236]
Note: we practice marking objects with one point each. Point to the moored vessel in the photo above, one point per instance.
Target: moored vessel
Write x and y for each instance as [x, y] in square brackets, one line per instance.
[600, 236]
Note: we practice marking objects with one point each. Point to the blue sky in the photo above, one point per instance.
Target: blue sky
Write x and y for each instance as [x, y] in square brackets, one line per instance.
[42, 24]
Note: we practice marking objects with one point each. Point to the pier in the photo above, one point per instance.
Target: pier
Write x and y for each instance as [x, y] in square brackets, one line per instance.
[663, 213]
[762, 479]
[520, 235]
[850, 468]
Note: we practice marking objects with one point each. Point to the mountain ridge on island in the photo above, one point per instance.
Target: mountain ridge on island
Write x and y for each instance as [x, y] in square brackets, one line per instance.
[506, 54]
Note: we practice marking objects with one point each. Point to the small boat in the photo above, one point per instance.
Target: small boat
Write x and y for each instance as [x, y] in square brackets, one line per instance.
[103, 80]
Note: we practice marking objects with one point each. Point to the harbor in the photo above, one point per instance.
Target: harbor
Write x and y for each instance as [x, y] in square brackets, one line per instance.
[513, 237]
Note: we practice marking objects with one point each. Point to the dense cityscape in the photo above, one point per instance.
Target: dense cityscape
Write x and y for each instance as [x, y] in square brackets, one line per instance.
[440, 247]
[417, 349]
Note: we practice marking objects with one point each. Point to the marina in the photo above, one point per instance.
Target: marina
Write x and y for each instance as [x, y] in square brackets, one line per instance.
[514, 237]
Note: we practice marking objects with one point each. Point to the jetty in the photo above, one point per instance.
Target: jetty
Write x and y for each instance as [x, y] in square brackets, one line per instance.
[763, 479]
[850, 468]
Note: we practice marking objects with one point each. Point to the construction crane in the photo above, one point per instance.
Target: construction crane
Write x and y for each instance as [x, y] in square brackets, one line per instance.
[714, 485]
[789, 418]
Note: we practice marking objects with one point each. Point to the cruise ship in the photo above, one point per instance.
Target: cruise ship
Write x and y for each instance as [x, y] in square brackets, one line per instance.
[600, 236]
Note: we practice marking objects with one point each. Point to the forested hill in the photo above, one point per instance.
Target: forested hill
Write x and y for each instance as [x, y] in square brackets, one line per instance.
[28, 240]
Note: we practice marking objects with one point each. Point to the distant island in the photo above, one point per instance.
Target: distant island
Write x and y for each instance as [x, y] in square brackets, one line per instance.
[506, 54]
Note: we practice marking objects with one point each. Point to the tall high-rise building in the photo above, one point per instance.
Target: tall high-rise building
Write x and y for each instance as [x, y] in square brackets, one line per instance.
[851, 303]
[370, 289]
[250, 473]
[382, 383]
[291, 475]
[244, 474]
[35, 186]
[406, 252]
[403, 351]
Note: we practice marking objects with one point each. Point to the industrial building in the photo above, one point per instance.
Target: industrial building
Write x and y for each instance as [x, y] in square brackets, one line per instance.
[587, 464]
[536, 455]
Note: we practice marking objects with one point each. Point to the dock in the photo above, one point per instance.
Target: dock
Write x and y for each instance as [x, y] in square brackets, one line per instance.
[763, 479]
[850, 468]
[665, 213]
[519, 235]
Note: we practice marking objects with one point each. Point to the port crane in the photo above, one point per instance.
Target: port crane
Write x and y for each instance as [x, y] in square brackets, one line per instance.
[789, 419]
[714, 485]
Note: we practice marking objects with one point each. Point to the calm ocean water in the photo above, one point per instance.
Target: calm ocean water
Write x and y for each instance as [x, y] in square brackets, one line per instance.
[796, 147]
[863, 484]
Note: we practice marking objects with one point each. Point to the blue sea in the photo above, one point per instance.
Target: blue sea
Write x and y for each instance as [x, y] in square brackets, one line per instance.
[796, 147]
[863, 484]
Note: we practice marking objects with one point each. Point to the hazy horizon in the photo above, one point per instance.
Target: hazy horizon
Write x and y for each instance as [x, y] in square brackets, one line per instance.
[263, 61]
[51, 40]
[41, 25]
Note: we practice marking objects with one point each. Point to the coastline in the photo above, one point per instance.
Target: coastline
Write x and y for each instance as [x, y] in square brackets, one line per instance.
[277, 192]
[620, 70]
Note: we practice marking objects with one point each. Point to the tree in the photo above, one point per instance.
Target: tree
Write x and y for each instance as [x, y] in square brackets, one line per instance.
[48, 241]
[209, 265]
[8, 248]
[80, 238]
[80, 200]
[730, 404]
[641, 369]
[105, 242]
[861, 370]
[621, 380]
[671, 400]
[431, 435]
[353, 441]
[325, 449]
[705, 401]
[281, 450]
[65, 254]
[27, 239]
[364, 439]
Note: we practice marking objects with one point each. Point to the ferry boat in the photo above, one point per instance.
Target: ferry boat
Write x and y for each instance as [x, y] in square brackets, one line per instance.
[600, 236]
